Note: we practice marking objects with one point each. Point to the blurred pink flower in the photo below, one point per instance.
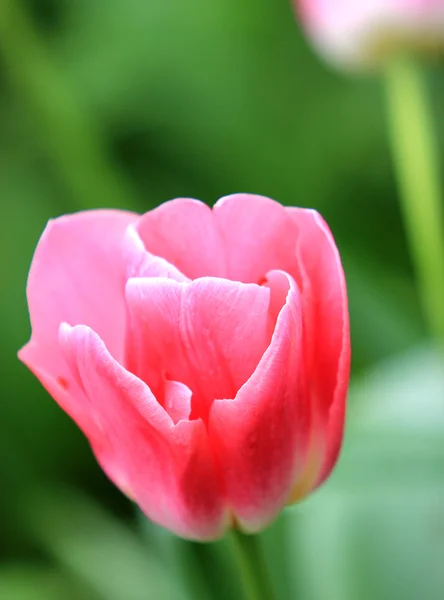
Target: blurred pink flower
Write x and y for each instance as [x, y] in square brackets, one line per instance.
[362, 32]
[204, 353]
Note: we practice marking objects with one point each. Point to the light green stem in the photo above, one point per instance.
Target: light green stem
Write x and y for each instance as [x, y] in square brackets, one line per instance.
[252, 567]
[416, 160]
[66, 131]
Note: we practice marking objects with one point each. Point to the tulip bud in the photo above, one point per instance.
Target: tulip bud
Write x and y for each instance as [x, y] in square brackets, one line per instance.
[363, 33]
[204, 353]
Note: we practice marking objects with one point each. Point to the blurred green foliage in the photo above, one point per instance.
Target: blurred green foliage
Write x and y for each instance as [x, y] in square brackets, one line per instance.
[128, 103]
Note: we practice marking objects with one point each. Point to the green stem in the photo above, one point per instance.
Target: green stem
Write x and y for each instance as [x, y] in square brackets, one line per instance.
[416, 161]
[254, 574]
[67, 133]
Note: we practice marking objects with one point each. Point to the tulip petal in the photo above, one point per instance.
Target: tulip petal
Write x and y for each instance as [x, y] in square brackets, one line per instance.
[208, 334]
[177, 400]
[260, 437]
[182, 231]
[257, 234]
[169, 468]
[242, 238]
[77, 275]
[326, 326]
[54, 375]
[77, 264]
[141, 263]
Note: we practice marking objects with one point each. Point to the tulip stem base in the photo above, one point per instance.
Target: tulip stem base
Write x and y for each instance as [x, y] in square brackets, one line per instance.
[415, 154]
[252, 567]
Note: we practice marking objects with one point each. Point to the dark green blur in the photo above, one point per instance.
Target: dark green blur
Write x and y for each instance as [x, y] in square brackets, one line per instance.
[128, 103]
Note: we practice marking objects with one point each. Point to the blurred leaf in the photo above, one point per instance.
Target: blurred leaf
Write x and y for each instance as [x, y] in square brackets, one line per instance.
[68, 134]
[403, 394]
[207, 569]
[379, 327]
[280, 566]
[32, 582]
[178, 556]
[30, 417]
[376, 529]
[228, 92]
[96, 548]
[220, 568]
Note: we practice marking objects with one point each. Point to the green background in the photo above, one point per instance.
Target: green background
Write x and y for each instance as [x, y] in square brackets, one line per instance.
[128, 103]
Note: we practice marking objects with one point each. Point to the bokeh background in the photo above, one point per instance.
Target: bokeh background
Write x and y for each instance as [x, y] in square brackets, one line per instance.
[128, 103]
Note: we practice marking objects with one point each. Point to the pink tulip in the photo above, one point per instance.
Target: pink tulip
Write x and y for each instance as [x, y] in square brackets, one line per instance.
[362, 32]
[204, 353]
